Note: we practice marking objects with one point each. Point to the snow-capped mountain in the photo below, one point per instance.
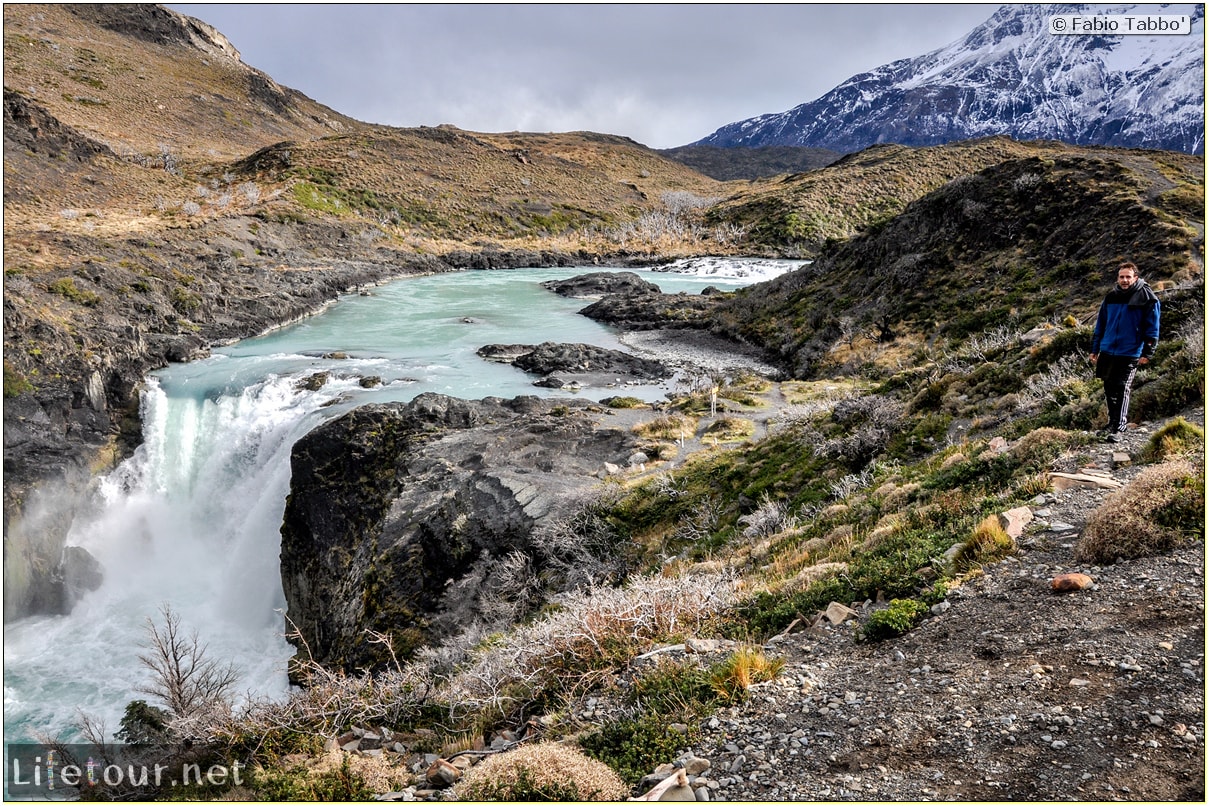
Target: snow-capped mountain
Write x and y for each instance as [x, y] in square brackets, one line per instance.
[1011, 76]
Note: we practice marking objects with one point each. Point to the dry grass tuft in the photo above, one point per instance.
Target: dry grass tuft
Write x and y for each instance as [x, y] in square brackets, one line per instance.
[541, 772]
[989, 543]
[671, 427]
[1175, 439]
[1162, 508]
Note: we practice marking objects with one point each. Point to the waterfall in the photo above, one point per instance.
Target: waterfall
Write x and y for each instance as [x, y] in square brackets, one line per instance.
[192, 521]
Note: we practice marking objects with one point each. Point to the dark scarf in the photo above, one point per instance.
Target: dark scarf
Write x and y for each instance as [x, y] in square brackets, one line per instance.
[1137, 295]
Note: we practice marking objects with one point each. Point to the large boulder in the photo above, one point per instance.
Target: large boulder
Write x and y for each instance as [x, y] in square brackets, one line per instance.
[400, 515]
[576, 359]
[653, 311]
[600, 283]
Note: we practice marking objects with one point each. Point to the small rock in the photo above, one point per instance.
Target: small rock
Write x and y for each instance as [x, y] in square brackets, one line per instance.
[837, 613]
[1064, 583]
[442, 774]
[1014, 520]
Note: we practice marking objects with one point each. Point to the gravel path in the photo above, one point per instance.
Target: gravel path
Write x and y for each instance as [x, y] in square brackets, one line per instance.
[1012, 692]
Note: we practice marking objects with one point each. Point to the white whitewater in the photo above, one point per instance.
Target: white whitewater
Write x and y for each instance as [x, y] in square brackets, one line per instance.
[193, 519]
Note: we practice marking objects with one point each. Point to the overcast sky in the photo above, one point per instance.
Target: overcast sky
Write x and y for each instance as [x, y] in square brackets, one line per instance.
[664, 75]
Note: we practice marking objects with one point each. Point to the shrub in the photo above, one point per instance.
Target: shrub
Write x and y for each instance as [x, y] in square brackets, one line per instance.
[989, 543]
[1164, 507]
[143, 724]
[66, 287]
[895, 619]
[1177, 438]
[185, 302]
[541, 772]
[14, 382]
[1039, 447]
[634, 747]
[339, 782]
[672, 688]
[623, 402]
[730, 429]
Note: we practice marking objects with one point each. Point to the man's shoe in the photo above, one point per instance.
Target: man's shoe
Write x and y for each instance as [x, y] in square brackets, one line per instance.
[1112, 438]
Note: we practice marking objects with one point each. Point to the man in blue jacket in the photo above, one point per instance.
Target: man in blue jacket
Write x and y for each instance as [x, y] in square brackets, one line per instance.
[1127, 330]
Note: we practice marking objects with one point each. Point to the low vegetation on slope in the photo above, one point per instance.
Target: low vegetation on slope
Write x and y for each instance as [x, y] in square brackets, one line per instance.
[1018, 244]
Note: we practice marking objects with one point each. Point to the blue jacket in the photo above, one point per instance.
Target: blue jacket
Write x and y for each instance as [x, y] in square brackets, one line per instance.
[1128, 324]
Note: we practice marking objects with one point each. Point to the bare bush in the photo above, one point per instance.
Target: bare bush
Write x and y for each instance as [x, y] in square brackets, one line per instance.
[679, 202]
[182, 677]
[769, 518]
[580, 548]
[1026, 182]
[589, 631]
[1049, 385]
[851, 484]
[1193, 334]
[728, 233]
[982, 346]
[190, 208]
[871, 420]
[699, 525]
[250, 192]
[169, 160]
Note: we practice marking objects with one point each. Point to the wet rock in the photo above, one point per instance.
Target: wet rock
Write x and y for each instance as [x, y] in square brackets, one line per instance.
[312, 384]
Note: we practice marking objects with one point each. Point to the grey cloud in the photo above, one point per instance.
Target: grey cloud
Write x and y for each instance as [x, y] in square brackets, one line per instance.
[664, 75]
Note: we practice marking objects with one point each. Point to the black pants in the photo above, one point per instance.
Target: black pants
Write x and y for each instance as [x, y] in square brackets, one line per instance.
[1117, 372]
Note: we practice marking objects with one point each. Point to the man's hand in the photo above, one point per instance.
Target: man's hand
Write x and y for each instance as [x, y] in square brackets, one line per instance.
[1093, 357]
[1143, 361]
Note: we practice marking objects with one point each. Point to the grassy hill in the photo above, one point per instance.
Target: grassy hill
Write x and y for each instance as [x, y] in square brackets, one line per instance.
[1032, 238]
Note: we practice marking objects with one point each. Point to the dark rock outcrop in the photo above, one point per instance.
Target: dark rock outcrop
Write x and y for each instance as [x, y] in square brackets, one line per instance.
[651, 311]
[575, 359]
[598, 284]
[399, 515]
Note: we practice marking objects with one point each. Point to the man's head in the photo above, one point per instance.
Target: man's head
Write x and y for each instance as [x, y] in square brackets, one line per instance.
[1127, 275]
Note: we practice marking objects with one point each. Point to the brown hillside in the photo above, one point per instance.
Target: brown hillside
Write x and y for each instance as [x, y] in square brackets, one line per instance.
[141, 79]
[800, 213]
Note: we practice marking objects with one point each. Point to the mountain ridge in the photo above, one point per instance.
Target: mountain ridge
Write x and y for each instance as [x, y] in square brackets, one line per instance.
[1010, 76]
